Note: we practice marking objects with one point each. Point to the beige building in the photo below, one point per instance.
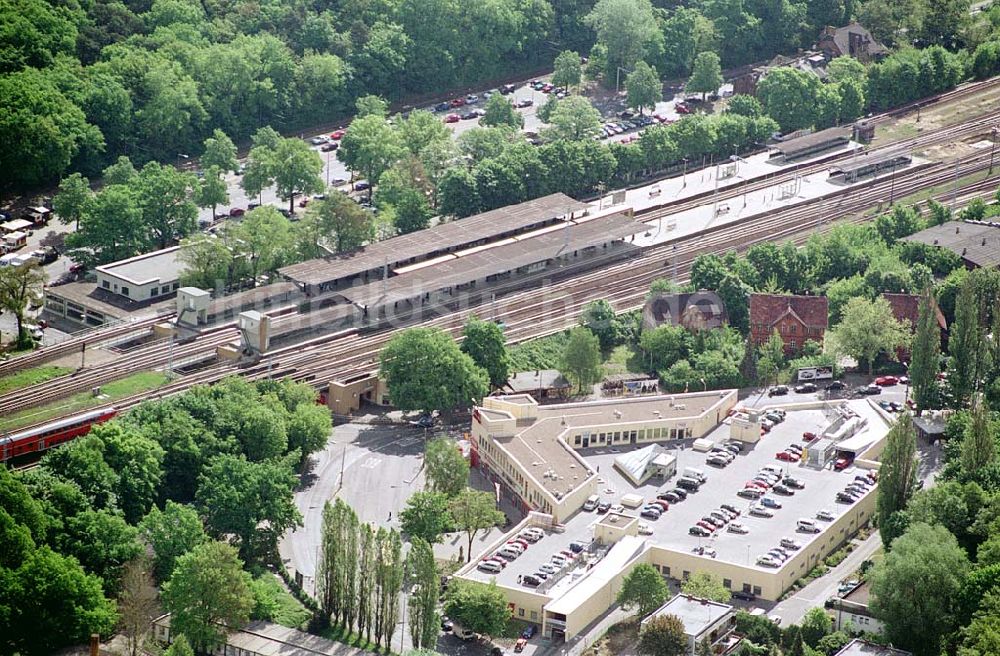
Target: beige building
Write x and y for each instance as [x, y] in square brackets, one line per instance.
[703, 619]
[531, 449]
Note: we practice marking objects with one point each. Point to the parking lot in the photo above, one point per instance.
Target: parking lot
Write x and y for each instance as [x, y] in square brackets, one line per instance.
[671, 530]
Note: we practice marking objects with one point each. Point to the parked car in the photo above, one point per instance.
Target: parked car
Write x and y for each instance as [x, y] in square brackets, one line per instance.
[682, 108]
[730, 508]
[780, 390]
[841, 464]
[317, 141]
[717, 461]
[808, 436]
[736, 527]
[508, 89]
[835, 386]
[531, 581]
[768, 561]
[529, 632]
[699, 531]
[781, 489]
[524, 102]
[669, 497]
[682, 493]
[468, 116]
[750, 493]
[743, 595]
[825, 515]
[442, 107]
[760, 511]
[650, 513]
[237, 212]
[471, 99]
[330, 146]
[794, 483]
[786, 456]
[768, 502]
[886, 381]
[457, 102]
[805, 388]
[844, 497]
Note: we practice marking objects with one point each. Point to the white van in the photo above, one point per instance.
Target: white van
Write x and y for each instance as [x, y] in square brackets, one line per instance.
[509, 552]
[532, 534]
[695, 473]
[807, 526]
[632, 500]
[591, 502]
[489, 566]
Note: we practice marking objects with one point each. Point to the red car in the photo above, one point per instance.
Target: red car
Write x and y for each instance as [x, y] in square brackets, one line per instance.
[237, 211]
[886, 381]
[711, 528]
[842, 464]
[458, 102]
[661, 503]
[547, 88]
[787, 456]
[452, 118]
[338, 134]
[760, 485]
[808, 436]
[682, 108]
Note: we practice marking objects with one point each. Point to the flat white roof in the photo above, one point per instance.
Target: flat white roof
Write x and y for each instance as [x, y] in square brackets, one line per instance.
[162, 266]
[696, 614]
[610, 566]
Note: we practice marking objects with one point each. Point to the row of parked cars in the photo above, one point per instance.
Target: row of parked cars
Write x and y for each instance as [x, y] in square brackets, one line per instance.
[770, 479]
[557, 563]
[778, 555]
[722, 517]
[857, 488]
[770, 419]
[721, 456]
[792, 454]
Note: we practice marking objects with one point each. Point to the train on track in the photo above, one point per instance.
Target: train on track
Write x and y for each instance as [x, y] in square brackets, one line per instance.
[41, 438]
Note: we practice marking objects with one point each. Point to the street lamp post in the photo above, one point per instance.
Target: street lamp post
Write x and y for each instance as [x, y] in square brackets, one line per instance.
[993, 147]
[684, 174]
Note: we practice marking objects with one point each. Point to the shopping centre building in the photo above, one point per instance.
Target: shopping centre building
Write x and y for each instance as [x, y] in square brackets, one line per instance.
[551, 459]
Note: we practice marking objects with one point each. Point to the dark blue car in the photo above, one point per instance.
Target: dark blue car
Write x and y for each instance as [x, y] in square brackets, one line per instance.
[528, 632]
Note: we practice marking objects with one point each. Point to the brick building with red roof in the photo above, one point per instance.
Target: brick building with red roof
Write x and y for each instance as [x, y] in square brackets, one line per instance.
[906, 307]
[796, 318]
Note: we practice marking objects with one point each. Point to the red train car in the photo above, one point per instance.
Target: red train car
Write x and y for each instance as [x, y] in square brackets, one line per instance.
[41, 438]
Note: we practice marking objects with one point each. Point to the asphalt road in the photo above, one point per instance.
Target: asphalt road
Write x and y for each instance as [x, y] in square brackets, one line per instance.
[793, 609]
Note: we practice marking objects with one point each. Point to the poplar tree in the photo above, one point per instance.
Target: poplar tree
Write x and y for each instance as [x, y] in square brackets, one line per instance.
[897, 477]
[423, 580]
[925, 354]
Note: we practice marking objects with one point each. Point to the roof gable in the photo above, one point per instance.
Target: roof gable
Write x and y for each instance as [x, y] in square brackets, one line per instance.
[810, 311]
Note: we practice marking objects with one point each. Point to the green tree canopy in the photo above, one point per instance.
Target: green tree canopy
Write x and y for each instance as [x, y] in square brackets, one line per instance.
[473, 511]
[478, 607]
[581, 358]
[446, 469]
[500, 112]
[897, 477]
[251, 500]
[705, 585]
[643, 87]
[706, 76]
[914, 587]
[425, 370]
[426, 516]
[567, 71]
[868, 329]
[484, 342]
[573, 119]
[171, 533]
[643, 589]
[663, 635]
[208, 591]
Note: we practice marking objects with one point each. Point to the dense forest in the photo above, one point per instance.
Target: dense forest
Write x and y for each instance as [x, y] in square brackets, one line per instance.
[85, 81]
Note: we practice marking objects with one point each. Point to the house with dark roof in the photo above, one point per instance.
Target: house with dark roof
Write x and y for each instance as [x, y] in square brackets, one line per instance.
[853, 40]
[906, 307]
[795, 318]
[700, 310]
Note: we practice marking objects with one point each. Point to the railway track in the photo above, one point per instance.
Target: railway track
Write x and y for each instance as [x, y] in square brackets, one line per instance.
[343, 356]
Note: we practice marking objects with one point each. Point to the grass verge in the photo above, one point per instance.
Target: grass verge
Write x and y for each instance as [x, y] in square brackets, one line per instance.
[287, 611]
[30, 377]
[139, 382]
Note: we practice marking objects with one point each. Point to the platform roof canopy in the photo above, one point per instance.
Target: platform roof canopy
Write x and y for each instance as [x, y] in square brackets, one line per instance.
[441, 238]
[479, 265]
